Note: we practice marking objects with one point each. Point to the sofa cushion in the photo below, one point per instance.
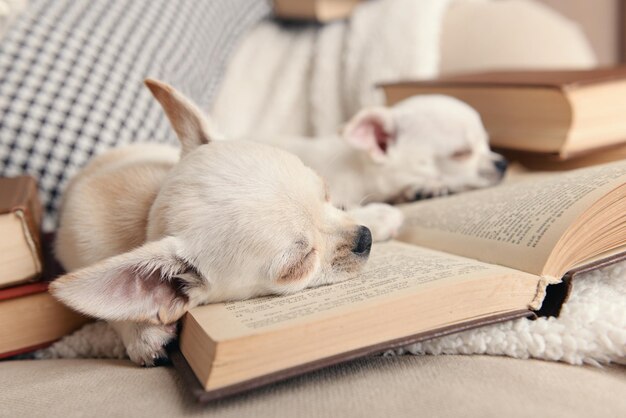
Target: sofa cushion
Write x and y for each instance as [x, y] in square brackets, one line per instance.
[407, 386]
[71, 77]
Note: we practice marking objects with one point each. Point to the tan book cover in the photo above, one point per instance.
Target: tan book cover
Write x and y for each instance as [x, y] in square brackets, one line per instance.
[315, 10]
[564, 113]
[20, 220]
[30, 318]
[559, 79]
[461, 261]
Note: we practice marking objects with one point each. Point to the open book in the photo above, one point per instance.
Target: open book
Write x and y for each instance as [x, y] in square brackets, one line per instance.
[466, 260]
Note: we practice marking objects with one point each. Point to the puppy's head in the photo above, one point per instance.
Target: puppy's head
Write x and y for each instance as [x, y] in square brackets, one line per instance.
[233, 220]
[424, 146]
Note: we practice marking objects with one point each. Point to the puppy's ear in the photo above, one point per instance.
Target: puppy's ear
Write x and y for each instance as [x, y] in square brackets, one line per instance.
[192, 127]
[371, 130]
[149, 284]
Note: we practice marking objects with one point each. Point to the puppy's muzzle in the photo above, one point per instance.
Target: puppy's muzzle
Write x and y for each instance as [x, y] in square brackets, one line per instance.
[363, 242]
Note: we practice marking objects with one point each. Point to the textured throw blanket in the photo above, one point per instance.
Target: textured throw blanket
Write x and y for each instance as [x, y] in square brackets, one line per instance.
[294, 80]
[71, 77]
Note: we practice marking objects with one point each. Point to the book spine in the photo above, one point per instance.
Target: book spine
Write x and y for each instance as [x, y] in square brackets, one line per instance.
[26, 350]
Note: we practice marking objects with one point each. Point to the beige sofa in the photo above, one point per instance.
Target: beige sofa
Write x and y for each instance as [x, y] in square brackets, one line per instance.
[408, 386]
[478, 34]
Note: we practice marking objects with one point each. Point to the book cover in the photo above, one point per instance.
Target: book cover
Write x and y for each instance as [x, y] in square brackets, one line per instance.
[314, 10]
[558, 79]
[30, 318]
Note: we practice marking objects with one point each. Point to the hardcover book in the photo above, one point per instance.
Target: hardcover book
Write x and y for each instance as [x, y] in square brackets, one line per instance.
[30, 318]
[551, 162]
[460, 262]
[565, 113]
[20, 219]
[316, 10]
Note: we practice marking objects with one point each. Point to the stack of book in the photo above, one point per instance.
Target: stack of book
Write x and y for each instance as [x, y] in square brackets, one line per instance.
[546, 120]
[29, 317]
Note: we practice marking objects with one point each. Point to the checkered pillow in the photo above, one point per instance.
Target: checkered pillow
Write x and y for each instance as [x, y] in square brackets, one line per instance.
[71, 77]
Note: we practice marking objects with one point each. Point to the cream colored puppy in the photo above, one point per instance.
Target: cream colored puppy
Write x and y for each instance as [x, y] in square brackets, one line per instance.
[147, 237]
[425, 146]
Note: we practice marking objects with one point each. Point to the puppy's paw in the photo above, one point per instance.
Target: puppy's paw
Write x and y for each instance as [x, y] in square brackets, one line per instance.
[145, 343]
[432, 190]
[384, 221]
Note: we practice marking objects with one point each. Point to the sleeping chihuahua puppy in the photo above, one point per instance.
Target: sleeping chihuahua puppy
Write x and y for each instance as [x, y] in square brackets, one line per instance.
[147, 236]
[425, 146]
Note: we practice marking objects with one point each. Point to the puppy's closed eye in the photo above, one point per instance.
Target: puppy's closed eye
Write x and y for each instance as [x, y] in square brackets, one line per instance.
[462, 154]
[298, 270]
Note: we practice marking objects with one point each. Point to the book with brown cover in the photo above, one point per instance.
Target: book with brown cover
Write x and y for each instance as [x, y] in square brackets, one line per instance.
[30, 318]
[20, 220]
[314, 10]
[561, 112]
[558, 79]
[551, 162]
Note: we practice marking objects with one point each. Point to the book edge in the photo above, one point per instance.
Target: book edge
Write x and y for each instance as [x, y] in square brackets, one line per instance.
[598, 264]
[603, 75]
[203, 396]
[24, 205]
[28, 349]
[31, 236]
[312, 11]
[558, 293]
[23, 290]
[473, 84]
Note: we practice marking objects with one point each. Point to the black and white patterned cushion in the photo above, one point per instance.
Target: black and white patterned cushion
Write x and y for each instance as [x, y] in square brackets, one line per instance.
[71, 75]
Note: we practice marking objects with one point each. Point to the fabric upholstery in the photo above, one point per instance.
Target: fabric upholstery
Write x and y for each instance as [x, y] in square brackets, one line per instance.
[407, 386]
[71, 77]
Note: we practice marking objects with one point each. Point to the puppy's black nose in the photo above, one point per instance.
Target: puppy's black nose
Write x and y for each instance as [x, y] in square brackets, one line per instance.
[501, 165]
[363, 243]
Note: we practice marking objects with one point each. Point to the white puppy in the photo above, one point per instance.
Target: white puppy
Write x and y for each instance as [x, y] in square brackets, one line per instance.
[147, 237]
[425, 146]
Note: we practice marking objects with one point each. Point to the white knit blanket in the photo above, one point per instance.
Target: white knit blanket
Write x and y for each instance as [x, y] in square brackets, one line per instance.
[308, 82]
[591, 328]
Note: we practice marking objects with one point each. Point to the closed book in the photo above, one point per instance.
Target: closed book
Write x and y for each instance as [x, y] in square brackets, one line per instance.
[550, 162]
[565, 113]
[30, 318]
[314, 10]
[20, 220]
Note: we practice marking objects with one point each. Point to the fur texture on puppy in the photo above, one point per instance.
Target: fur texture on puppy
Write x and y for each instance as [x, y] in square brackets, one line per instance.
[147, 237]
[425, 146]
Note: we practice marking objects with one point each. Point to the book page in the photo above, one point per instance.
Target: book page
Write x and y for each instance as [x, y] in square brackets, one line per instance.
[516, 224]
[393, 271]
